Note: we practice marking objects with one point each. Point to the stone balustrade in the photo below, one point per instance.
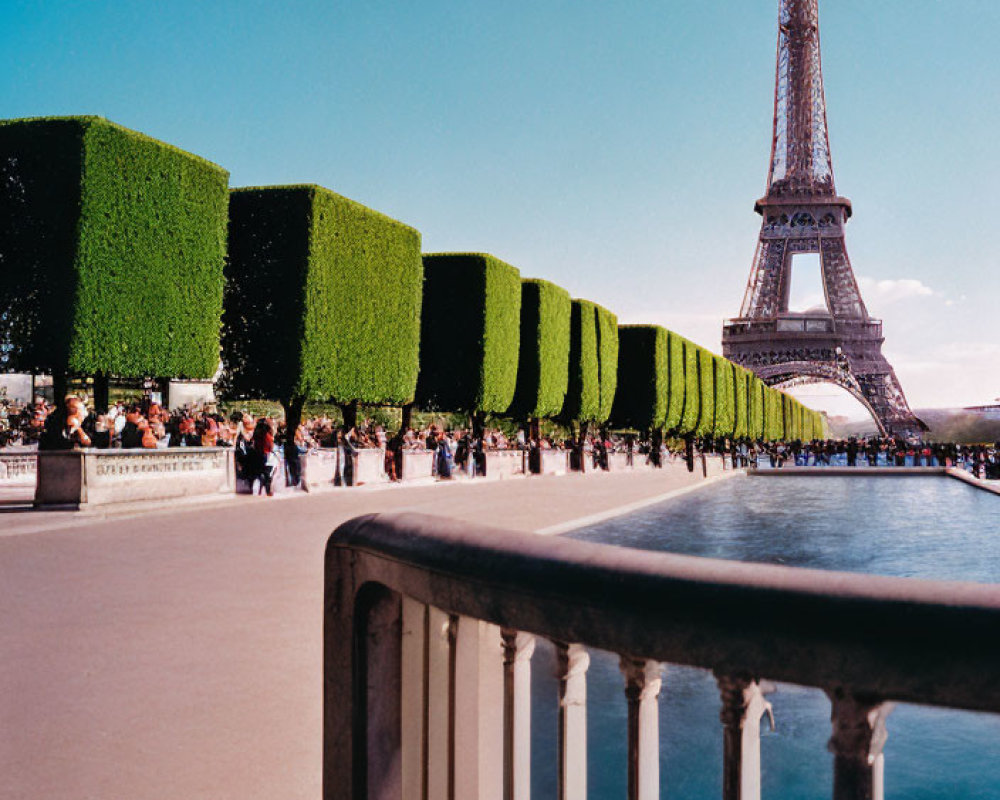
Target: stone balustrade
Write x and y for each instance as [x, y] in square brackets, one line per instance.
[552, 462]
[430, 627]
[505, 463]
[18, 467]
[91, 477]
[417, 465]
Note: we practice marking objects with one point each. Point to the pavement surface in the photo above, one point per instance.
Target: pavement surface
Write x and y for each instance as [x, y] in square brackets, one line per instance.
[176, 653]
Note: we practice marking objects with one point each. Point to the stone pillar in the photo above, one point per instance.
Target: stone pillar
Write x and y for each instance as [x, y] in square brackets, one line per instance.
[414, 699]
[517, 651]
[643, 680]
[572, 662]
[743, 705]
[491, 712]
[859, 734]
[440, 703]
[478, 717]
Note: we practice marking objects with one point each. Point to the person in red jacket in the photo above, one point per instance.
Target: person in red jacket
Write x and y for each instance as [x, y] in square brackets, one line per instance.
[264, 458]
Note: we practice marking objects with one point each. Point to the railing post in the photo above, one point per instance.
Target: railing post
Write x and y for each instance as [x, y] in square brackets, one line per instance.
[743, 705]
[517, 651]
[441, 629]
[414, 700]
[859, 735]
[478, 693]
[572, 661]
[643, 680]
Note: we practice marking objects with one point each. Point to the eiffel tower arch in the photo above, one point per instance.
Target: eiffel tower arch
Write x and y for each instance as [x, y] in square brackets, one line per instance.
[803, 214]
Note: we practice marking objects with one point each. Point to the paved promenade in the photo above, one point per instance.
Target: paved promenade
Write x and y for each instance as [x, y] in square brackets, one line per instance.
[177, 653]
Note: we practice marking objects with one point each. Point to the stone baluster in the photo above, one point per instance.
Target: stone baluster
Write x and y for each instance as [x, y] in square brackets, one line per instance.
[643, 680]
[859, 735]
[414, 700]
[517, 651]
[441, 631]
[743, 705]
[478, 691]
[572, 661]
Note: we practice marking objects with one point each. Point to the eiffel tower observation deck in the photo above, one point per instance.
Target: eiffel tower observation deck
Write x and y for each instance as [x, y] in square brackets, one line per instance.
[838, 343]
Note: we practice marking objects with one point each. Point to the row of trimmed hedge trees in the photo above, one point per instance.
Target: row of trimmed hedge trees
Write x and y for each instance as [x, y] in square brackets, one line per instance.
[123, 256]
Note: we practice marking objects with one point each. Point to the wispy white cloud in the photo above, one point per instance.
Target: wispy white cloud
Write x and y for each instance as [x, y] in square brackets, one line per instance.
[883, 292]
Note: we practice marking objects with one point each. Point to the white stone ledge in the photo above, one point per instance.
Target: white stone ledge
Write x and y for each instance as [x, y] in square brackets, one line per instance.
[76, 478]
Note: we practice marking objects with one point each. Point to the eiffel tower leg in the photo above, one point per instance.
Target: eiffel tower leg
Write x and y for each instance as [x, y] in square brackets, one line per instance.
[764, 293]
[885, 396]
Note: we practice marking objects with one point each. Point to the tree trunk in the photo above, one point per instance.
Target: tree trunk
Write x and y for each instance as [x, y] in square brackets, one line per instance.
[102, 392]
[407, 421]
[689, 452]
[293, 415]
[350, 414]
[478, 424]
[656, 441]
[60, 387]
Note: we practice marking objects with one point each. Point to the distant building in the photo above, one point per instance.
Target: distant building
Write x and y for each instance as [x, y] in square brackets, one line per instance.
[988, 412]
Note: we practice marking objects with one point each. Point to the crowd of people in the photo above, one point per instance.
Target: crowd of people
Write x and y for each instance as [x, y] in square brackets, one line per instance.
[263, 445]
[983, 461]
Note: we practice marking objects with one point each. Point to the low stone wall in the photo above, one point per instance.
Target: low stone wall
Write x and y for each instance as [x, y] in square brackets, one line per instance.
[553, 462]
[618, 462]
[417, 465]
[505, 463]
[369, 466]
[18, 467]
[319, 467]
[78, 478]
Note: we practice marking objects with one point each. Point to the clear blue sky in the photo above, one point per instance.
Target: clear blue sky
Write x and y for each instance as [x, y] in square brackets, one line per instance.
[616, 149]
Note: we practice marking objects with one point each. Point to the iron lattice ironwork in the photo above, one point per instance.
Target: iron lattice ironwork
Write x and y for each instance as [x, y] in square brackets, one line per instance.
[802, 213]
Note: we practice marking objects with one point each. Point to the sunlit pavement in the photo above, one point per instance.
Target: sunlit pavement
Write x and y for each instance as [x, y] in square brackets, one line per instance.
[177, 653]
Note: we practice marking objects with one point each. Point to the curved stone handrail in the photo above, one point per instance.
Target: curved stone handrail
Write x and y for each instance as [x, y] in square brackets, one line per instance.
[918, 641]
[863, 639]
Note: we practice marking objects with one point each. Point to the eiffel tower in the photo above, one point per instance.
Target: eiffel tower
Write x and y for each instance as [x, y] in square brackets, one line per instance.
[802, 212]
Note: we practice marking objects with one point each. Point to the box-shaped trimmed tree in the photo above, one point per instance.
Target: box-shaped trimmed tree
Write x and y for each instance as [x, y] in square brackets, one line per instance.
[470, 334]
[323, 300]
[675, 402]
[757, 414]
[607, 361]
[583, 395]
[741, 393]
[112, 245]
[692, 390]
[725, 398]
[643, 378]
[543, 364]
[774, 422]
[706, 386]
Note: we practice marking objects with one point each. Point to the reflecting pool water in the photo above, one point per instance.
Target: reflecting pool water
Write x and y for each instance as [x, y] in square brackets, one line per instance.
[909, 527]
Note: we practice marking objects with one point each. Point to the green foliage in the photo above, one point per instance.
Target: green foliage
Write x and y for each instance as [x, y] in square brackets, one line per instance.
[741, 394]
[583, 395]
[675, 397]
[774, 422]
[470, 333]
[607, 359]
[100, 227]
[725, 397]
[692, 390]
[323, 298]
[543, 366]
[757, 415]
[792, 418]
[643, 378]
[706, 386]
